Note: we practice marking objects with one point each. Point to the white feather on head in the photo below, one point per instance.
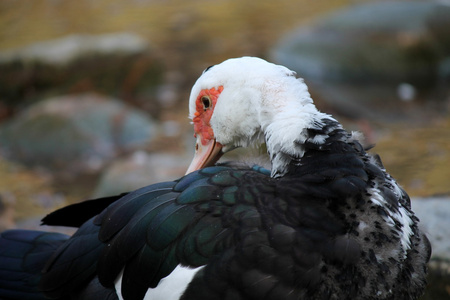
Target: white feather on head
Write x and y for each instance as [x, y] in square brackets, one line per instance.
[260, 102]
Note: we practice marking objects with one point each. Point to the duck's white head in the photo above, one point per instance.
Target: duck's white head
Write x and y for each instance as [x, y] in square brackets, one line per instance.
[245, 101]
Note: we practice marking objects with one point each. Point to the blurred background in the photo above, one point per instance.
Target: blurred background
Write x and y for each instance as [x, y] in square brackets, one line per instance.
[93, 94]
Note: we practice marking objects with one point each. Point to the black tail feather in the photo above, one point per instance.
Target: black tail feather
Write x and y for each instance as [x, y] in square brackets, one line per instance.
[23, 254]
[77, 214]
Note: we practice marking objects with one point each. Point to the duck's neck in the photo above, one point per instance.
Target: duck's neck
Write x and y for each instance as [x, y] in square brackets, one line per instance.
[292, 125]
[287, 148]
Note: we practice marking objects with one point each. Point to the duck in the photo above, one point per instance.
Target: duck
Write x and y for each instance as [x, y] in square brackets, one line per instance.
[325, 221]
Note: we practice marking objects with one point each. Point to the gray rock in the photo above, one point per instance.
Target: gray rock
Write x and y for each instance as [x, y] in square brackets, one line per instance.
[67, 49]
[120, 64]
[75, 133]
[374, 57]
[434, 215]
[139, 170]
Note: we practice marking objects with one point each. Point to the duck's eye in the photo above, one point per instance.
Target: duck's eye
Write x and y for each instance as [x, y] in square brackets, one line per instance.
[206, 101]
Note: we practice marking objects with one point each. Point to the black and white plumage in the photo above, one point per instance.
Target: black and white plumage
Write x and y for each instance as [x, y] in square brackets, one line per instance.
[326, 222]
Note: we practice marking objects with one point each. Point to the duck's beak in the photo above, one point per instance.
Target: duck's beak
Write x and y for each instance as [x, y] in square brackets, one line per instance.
[205, 155]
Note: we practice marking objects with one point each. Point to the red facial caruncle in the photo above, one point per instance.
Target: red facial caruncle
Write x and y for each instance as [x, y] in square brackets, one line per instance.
[207, 149]
[205, 103]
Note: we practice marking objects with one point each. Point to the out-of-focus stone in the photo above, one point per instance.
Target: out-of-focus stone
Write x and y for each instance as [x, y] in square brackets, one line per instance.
[139, 170]
[69, 48]
[434, 215]
[385, 61]
[121, 64]
[76, 133]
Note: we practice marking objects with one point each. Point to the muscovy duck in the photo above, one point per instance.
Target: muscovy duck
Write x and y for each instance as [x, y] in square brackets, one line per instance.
[326, 222]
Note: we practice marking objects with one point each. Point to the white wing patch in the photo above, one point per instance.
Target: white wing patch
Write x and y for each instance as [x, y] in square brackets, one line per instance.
[170, 287]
